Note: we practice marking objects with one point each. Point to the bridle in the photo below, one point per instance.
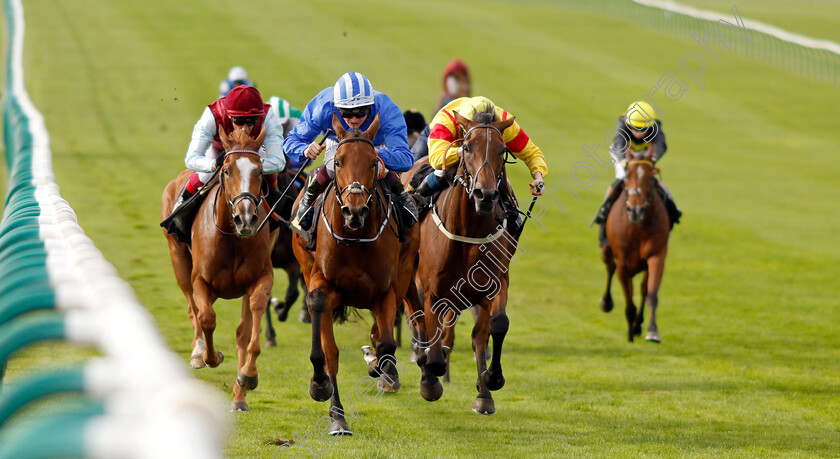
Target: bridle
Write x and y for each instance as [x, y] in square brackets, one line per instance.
[356, 188]
[466, 179]
[233, 202]
[637, 191]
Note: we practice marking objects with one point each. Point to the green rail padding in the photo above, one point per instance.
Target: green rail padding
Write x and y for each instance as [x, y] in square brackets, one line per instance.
[21, 301]
[22, 260]
[23, 331]
[61, 436]
[23, 278]
[36, 387]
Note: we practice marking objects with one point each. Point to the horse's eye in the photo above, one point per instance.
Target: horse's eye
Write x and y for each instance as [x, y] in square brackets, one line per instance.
[374, 164]
[337, 163]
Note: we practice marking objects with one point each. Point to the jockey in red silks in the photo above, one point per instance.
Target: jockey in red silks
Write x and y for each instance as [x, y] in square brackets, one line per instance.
[241, 109]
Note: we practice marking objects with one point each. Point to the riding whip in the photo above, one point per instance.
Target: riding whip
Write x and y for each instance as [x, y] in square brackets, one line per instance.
[289, 186]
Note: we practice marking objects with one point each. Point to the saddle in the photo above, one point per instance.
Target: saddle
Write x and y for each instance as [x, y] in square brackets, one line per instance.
[180, 221]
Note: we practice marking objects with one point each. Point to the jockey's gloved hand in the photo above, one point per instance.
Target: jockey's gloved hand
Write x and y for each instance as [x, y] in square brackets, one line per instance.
[219, 161]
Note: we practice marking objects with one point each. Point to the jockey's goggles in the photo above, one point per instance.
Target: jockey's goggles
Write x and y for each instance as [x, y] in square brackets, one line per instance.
[244, 120]
[358, 112]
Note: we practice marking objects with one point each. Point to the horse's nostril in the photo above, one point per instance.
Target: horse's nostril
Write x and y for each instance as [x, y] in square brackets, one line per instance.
[346, 212]
[237, 220]
[492, 195]
[478, 194]
[253, 219]
[364, 211]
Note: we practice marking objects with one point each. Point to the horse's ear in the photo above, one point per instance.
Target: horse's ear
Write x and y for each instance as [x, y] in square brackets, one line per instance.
[371, 130]
[223, 137]
[261, 137]
[502, 125]
[462, 121]
[338, 128]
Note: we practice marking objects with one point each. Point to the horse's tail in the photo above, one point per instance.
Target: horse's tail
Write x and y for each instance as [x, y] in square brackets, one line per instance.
[342, 313]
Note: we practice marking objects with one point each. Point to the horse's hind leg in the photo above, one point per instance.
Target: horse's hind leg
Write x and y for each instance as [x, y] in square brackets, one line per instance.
[483, 403]
[448, 340]
[656, 268]
[270, 334]
[626, 280]
[493, 378]
[385, 365]
[292, 292]
[606, 303]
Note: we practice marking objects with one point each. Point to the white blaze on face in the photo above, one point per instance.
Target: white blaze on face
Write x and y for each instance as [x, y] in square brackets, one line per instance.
[246, 167]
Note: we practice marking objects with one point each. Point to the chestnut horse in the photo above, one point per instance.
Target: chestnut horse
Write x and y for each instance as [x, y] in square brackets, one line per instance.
[359, 262]
[227, 260]
[464, 258]
[637, 236]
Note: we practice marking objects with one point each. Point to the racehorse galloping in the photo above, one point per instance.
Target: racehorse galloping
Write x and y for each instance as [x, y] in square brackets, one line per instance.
[464, 259]
[637, 236]
[227, 260]
[359, 262]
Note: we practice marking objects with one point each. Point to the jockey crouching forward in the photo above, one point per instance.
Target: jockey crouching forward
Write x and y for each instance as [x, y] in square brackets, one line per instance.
[356, 104]
[444, 151]
[638, 131]
[242, 109]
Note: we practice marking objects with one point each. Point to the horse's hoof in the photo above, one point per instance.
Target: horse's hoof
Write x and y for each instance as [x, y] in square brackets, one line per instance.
[653, 337]
[491, 382]
[247, 382]
[413, 357]
[197, 362]
[431, 392]
[304, 316]
[320, 393]
[340, 427]
[389, 383]
[606, 304]
[484, 406]
[221, 359]
[270, 343]
[239, 406]
[637, 330]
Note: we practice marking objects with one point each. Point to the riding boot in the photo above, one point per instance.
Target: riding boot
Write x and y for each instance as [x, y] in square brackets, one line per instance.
[513, 216]
[405, 205]
[613, 192]
[304, 215]
[674, 212]
[184, 196]
[430, 185]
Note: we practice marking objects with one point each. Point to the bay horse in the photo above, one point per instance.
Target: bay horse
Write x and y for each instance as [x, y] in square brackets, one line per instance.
[228, 259]
[637, 236]
[283, 257]
[359, 262]
[464, 257]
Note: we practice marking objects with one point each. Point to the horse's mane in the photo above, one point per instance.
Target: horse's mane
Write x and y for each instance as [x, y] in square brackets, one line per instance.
[240, 137]
[354, 132]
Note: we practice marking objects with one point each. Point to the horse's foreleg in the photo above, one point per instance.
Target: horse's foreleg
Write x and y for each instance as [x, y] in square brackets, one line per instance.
[656, 268]
[626, 280]
[320, 302]
[204, 299]
[606, 303]
[431, 388]
[483, 403]
[243, 337]
[640, 312]
[339, 424]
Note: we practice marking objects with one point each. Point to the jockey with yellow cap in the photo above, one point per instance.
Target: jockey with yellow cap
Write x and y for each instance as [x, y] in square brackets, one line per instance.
[442, 150]
[638, 131]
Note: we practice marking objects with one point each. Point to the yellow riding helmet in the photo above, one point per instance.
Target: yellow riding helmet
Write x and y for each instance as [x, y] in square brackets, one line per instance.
[640, 115]
[473, 105]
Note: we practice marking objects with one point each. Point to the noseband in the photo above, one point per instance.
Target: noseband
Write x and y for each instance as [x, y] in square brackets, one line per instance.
[467, 178]
[355, 187]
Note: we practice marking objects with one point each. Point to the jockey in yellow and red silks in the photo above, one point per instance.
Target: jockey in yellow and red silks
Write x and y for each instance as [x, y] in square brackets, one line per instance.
[444, 130]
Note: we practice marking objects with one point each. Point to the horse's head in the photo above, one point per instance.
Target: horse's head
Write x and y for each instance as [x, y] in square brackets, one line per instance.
[356, 164]
[241, 178]
[483, 156]
[638, 184]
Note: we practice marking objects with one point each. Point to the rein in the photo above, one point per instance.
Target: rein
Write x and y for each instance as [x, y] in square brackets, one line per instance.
[466, 180]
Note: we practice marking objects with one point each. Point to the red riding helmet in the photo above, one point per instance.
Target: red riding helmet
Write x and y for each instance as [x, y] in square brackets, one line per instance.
[244, 100]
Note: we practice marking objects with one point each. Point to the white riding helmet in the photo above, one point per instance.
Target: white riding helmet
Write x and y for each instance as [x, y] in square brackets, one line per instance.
[352, 90]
